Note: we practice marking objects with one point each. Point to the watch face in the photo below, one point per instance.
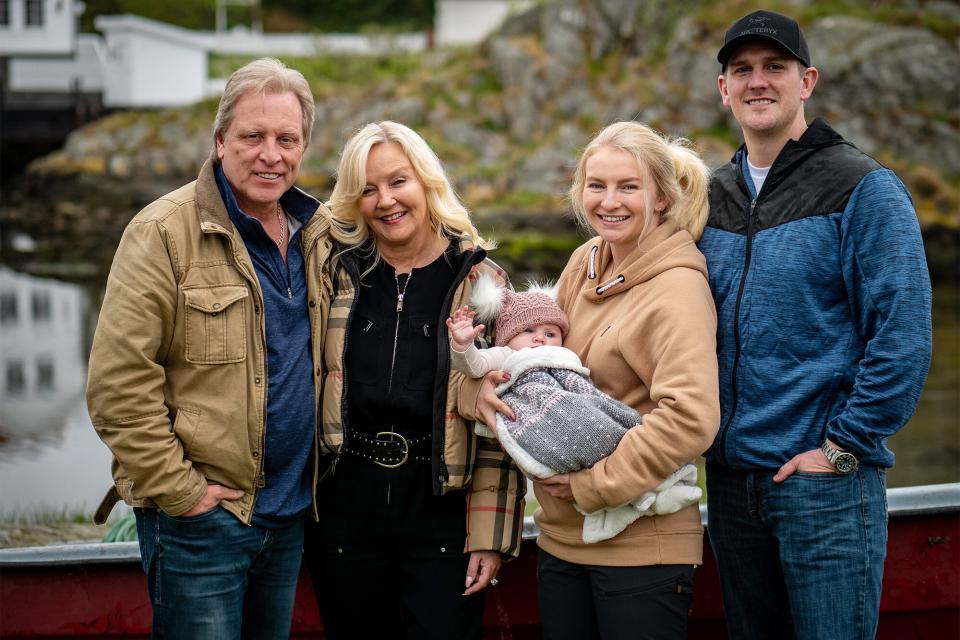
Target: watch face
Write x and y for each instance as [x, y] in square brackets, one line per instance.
[845, 463]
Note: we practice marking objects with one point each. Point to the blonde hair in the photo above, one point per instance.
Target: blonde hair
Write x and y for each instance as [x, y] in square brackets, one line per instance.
[264, 75]
[673, 166]
[448, 215]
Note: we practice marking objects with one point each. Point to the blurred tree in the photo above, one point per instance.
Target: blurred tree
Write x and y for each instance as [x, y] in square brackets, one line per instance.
[330, 15]
[354, 15]
[191, 14]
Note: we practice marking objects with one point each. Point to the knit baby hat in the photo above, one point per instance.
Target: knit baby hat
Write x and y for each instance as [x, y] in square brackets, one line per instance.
[514, 311]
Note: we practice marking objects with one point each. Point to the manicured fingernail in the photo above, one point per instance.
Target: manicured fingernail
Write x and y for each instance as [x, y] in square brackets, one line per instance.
[469, 581]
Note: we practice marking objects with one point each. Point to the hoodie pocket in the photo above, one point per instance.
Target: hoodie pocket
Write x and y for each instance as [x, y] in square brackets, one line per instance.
[216, 324]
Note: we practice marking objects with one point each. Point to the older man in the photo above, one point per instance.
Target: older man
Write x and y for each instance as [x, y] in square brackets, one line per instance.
[204, 371]
[823, 300]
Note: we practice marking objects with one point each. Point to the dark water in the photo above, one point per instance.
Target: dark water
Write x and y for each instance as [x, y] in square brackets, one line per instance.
[51, 461]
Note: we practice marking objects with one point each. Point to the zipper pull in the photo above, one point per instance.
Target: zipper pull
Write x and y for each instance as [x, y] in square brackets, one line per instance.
[399, 302]
[261, 481]
[330, 470]
[289, 293]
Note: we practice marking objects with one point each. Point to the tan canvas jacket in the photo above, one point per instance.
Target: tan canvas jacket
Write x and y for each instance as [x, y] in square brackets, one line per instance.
[177, 381]
[461, 460]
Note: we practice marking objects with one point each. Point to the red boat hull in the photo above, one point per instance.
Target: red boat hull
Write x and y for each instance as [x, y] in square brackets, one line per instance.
[921, 594]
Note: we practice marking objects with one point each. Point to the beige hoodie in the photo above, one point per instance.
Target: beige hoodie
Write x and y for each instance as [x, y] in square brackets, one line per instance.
[649, 340]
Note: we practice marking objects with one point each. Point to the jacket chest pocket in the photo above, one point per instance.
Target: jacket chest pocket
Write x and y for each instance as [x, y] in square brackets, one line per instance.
[216, 324]
[418, 362]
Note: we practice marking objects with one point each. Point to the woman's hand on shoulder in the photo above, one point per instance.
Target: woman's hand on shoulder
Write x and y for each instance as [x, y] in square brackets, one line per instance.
[557, 486]
[483, 567]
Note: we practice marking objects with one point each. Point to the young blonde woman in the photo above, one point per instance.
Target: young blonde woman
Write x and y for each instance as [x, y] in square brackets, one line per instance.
[643, 321]
[416, 511]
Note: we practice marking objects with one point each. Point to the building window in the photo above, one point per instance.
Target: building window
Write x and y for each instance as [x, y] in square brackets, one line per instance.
[8, 307]
[34, 13]
[45, 377]
[4, 13]
[41, 306]
[16, 381]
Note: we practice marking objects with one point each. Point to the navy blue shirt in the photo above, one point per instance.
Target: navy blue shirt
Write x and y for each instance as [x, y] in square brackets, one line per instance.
[291, 401]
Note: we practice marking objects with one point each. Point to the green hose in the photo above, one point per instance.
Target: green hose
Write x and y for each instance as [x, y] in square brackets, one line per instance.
[123, 530]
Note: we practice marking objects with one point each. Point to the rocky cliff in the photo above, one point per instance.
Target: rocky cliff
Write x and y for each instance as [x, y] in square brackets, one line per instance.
[509, 117]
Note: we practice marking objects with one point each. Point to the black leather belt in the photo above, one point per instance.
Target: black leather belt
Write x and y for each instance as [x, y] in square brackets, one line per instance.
[388, 448]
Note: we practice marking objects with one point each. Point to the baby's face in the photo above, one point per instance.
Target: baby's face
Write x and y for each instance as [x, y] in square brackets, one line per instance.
[538, 336]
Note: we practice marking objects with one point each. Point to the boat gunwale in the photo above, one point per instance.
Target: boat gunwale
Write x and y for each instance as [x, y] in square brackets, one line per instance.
[902, 502]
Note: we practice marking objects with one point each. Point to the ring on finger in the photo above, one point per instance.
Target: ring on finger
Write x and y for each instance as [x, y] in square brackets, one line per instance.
[493, 582]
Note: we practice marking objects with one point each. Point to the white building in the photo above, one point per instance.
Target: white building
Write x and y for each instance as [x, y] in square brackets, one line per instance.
[82, 72]
[144, 63]
[38, 27]
[151, 64]
[42, 361]
[464, 22]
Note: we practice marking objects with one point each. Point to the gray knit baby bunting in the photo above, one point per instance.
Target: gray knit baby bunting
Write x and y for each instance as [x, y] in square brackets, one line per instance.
[563, 421]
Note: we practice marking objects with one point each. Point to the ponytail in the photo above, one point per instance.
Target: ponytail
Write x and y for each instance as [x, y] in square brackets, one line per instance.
[689, 207]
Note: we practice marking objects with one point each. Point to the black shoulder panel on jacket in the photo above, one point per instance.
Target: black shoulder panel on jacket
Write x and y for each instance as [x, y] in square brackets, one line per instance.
[803, 182]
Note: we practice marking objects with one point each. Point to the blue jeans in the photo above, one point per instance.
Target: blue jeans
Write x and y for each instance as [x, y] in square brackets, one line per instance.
[212, 577]
[802, 559]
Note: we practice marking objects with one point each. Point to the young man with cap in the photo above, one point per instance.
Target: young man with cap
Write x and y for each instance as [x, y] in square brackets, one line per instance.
[823, 298]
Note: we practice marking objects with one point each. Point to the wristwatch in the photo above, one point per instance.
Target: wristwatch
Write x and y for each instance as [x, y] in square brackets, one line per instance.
[843, 462]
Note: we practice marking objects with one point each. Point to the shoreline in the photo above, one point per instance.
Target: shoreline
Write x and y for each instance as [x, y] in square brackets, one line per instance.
[14, 535]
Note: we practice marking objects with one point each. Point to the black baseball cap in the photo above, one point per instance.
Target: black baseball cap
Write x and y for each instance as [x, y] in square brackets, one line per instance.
[765, 25]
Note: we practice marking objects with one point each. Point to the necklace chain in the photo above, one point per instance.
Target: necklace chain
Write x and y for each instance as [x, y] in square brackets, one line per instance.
[283, 227]
[401, 293]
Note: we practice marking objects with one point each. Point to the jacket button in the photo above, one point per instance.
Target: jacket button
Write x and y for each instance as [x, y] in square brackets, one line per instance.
[318, 372]
[256, 308]
[312, 303]
[242, 512]
[257, 380]
[256, 454]
[216, 305]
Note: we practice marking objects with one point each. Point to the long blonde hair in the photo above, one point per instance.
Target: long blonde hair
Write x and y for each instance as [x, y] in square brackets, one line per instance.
[674, 167]
[448, 216]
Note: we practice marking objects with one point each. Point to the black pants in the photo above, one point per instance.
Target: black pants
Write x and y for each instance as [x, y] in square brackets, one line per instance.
[386, 558]
[583, 602]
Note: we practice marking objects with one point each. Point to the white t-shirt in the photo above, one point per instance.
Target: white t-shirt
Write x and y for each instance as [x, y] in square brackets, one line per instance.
[758, 175]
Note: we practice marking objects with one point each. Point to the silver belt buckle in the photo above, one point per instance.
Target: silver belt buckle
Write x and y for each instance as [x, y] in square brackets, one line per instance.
[403, 443]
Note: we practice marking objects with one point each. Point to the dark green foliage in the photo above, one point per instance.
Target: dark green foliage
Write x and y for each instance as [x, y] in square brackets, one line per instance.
[354, 15]
[347, 16]
[191, 14]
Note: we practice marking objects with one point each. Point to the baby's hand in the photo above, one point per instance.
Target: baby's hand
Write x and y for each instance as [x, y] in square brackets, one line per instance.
[462, 331]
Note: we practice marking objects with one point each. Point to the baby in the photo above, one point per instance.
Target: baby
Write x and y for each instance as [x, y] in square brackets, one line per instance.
[563, 422]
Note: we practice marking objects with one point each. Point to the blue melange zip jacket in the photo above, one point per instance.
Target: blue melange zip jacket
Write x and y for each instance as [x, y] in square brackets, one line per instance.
[823, 301]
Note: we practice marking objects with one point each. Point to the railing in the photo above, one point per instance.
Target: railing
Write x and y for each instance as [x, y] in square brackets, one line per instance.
[902, 501]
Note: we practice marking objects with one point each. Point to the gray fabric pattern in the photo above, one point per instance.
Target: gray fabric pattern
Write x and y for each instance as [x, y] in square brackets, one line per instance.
[563, 420]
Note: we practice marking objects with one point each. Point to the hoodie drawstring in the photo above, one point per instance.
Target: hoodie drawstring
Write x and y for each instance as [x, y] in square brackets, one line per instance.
[592, 273]
[604, 287]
